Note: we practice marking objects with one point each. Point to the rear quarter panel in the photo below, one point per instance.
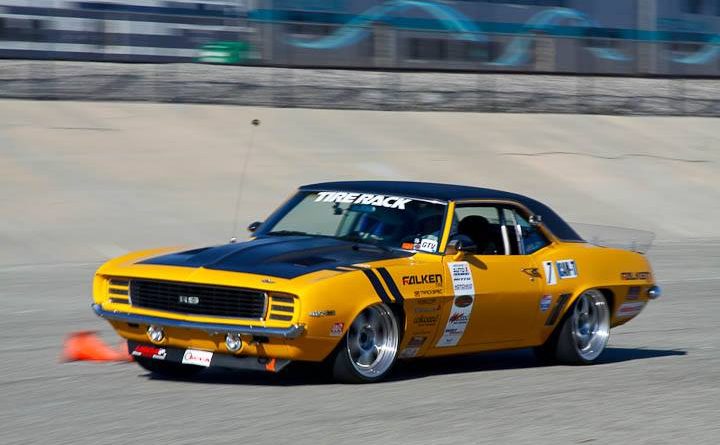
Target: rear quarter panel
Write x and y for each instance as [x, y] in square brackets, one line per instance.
[623, 276]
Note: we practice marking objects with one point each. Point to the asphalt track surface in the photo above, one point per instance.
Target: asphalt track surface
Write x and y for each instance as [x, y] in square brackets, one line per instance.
[80, 183]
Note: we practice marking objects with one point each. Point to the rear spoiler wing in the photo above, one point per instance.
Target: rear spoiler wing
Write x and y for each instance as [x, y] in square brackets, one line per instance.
[634, 240]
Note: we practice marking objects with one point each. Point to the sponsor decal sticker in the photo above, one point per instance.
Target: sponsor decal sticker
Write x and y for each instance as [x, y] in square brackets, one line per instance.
[464, 289]
[633, 293]
[426, 320]
[549, 270]
[413, 347]
[628, 276]
[458, 318]
[392, 202]
[426, 292]
[427, 309]
[412, 280]
[630, 309]
[149, 352]
[428, 245]
[461, 277]
[337, 329]
[566, 269]
[195, 357]
[545, 303]
[428, 301]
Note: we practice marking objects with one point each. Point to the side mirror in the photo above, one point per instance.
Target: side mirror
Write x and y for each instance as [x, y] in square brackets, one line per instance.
[460, 245]
[254, 226]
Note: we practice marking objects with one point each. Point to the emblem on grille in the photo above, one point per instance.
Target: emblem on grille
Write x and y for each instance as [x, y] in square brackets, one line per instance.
[188, 299]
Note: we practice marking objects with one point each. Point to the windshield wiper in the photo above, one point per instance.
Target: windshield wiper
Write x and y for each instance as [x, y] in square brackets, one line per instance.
[357, 240]
[287, 233]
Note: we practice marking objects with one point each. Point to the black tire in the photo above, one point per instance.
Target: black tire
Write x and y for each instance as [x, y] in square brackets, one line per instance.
[569, 348]
[376, 324]
[168, 369]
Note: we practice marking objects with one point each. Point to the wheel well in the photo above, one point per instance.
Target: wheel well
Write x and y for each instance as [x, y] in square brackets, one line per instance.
[607, 293]
[399, 311]
[610, 297]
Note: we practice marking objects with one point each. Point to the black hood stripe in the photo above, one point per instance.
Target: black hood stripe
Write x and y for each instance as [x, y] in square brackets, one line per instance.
[281, 256]
[391, 284]
[377, 285]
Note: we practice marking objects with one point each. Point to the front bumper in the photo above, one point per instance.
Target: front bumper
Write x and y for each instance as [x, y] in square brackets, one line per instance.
[293, 331]
[177, 355]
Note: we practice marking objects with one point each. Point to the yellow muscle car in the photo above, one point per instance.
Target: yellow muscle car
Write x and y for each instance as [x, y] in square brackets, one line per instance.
[361, 274]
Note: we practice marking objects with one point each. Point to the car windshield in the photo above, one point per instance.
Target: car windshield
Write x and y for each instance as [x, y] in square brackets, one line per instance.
[382, 220]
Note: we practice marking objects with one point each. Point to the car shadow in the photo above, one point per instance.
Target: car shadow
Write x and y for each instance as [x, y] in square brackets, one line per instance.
[314, 374]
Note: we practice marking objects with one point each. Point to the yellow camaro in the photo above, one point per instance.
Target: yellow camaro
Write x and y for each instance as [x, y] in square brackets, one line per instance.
[361, 274]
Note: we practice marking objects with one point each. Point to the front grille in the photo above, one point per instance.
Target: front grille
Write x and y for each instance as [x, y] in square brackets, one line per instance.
[118, 290]
[223, 301]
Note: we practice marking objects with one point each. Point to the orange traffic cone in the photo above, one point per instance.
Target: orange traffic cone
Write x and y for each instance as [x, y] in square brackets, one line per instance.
[86, 345]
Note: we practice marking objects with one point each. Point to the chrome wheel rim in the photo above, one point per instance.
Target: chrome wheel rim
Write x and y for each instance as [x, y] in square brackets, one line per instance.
[372, 341]
[591, 324]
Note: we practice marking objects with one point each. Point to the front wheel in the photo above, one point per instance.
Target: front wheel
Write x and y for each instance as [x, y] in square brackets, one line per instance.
[585, 331]
[369, 349]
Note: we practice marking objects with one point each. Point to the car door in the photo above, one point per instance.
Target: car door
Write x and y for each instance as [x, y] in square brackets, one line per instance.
[500, 283]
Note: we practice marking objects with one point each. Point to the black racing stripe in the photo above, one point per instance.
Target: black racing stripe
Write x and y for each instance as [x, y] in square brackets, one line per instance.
[552, 318]
[377, 285]
[391, 284]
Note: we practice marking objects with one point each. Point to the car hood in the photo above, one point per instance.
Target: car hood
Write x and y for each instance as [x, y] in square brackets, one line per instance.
[283, 257]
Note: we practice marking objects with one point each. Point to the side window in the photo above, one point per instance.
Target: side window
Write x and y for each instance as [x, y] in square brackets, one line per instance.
[481, 224]
[524, 237]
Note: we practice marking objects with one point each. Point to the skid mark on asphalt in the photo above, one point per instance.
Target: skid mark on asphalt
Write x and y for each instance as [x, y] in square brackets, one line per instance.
[624, 156]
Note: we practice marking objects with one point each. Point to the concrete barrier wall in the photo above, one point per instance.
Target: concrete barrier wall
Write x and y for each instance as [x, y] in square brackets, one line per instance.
[81, 181]
[367, 90]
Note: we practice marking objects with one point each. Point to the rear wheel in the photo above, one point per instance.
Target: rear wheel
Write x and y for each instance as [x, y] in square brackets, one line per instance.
[369, 349]
[168, 369]
[585, 331]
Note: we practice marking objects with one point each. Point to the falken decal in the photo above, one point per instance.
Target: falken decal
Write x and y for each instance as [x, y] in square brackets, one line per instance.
[549, 270]
[566, 269]
[434, 278]
[392, 202]
[463, 286]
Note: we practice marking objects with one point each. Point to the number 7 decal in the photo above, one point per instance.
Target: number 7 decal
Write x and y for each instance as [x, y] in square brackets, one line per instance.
[549, 270]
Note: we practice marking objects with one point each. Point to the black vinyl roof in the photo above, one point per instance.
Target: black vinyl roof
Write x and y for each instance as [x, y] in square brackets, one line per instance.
[449, 192]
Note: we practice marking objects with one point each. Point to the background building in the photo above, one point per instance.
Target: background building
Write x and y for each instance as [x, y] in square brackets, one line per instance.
[641, 37]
